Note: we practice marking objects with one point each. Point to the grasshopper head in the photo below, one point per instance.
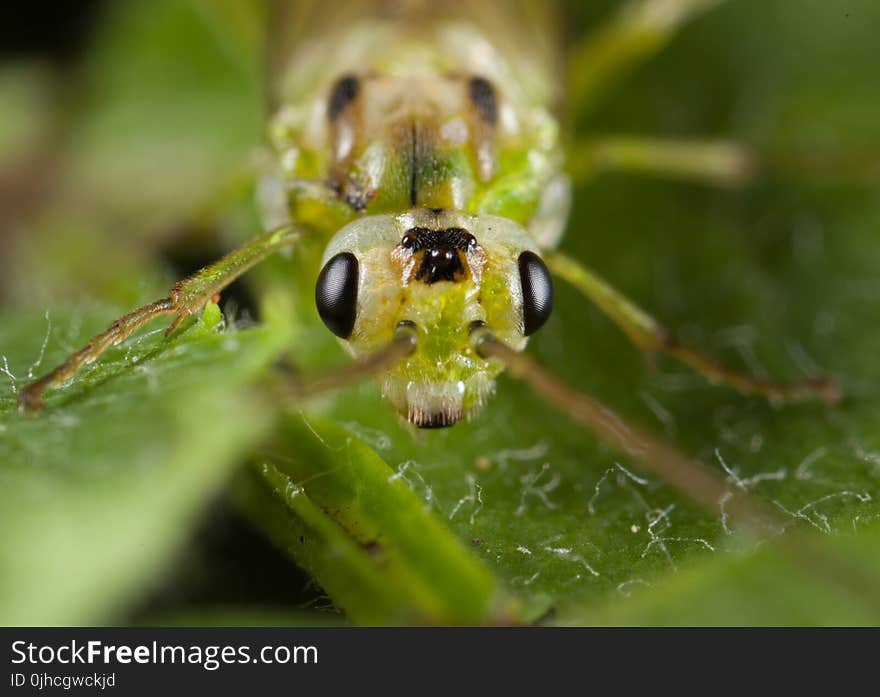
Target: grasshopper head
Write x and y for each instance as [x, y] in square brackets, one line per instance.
[444, 274]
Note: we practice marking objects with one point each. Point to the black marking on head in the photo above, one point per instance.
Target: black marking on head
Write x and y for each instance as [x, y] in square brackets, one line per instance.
[482, 95]
[537, 290]
[419, 238]
[440, 265]
[345, 91]
[336, 294]
[441, 252]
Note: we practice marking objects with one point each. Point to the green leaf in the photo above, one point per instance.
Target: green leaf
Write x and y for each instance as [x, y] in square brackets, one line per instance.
[761, 588]
[98, 493]
[369, 540]
[518, 515]
[778, 278]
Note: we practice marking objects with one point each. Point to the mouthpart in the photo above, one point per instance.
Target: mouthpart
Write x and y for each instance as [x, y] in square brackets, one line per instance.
[434, 419]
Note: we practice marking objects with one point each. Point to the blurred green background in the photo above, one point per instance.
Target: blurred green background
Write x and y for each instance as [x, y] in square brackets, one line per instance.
[145, 492]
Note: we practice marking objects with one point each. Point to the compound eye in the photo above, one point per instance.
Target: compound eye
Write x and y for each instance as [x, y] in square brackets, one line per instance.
[537, 290]
[336, 294]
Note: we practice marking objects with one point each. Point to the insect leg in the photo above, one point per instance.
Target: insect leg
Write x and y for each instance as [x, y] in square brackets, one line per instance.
[186, 298]
[692, 478]
[648, 334]
[701, 484]
[716, 162]
[302, 388]
[638, 31]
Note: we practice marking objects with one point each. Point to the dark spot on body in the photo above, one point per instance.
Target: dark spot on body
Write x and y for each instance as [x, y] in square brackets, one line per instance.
[345, 91]
[482, 95]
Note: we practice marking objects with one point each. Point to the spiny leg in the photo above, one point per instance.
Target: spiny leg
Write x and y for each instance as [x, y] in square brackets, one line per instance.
[186, 298]
[715, 162]
[638, 31]
[648, 334]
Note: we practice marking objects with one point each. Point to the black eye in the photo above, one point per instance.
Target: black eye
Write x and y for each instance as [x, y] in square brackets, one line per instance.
[537, 291]
[336, 293]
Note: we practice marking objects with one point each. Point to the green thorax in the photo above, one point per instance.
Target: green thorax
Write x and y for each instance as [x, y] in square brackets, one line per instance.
[406, 121]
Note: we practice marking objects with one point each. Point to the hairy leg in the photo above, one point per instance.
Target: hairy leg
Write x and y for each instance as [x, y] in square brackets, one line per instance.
[648, 334]
[186, 298]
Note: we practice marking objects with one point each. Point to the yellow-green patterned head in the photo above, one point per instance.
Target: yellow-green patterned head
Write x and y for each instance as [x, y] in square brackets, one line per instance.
[445, 274]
